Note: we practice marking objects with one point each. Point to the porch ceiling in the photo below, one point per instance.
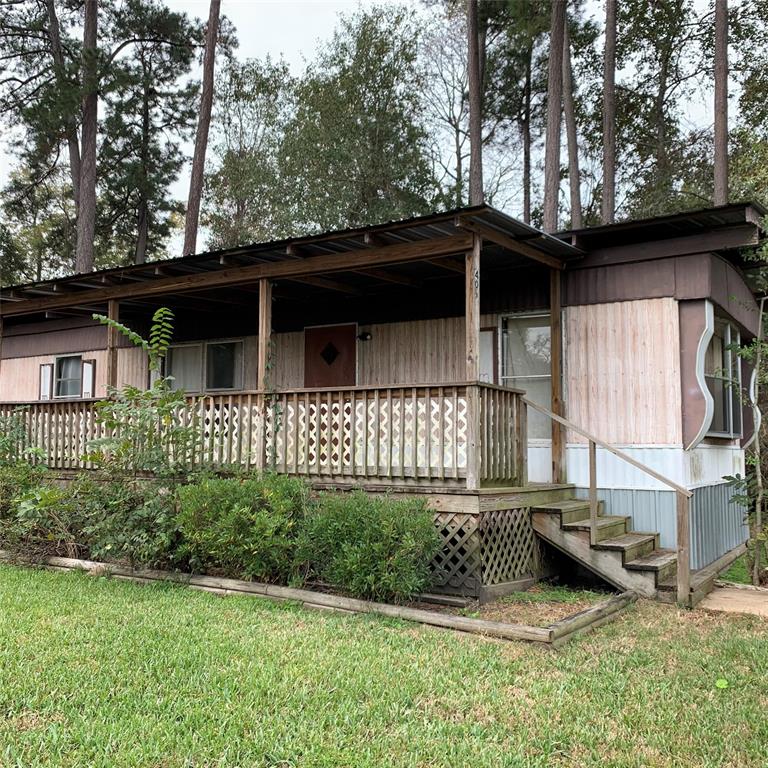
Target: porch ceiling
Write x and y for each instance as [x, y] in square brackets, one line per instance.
[391, 258]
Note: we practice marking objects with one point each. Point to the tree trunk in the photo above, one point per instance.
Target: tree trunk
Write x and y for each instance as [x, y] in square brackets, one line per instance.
[459, 167]
[526, 128]
[475, 107]
[608, 207]
[203, 126]
[721, 102]
[70, 127]
[662, 159]
[86, 218]
[142, 235]
[574, 179]
[554, 110]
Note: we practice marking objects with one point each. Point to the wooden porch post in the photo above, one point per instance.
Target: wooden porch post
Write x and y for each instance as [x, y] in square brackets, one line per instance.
[265, 331]
[265, 340]
[556, 362]
[113, 312]
[472, 335]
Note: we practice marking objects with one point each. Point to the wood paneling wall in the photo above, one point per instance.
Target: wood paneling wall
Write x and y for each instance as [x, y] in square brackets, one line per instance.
[420, 352]
[622, 371]
[20, 380]
[132, 370]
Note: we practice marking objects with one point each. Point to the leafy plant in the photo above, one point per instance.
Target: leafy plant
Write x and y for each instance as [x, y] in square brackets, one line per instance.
[16, 480]
[160, 335]
[134, 522]
[52, 518]
[148, 433]
[372, 547]
[242, 528]
[15, 445]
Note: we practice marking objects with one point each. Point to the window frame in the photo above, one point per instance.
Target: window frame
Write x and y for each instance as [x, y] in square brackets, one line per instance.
[203, 377]
[501, 346]
[732, 384]
[55, 383]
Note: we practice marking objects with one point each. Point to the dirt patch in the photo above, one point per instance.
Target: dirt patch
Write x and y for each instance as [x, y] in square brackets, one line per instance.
[539, 606]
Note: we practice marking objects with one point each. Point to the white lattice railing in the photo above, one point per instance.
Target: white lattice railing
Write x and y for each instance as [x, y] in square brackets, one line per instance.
[395, 433]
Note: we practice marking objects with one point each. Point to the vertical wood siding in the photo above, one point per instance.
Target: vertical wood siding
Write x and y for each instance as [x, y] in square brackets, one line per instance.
[132, 370]
[20, 379]
[622, 369]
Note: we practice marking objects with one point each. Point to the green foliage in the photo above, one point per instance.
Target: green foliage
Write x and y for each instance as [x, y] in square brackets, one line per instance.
[160, 335]
[52, 519]
[147, 433]
[15, 481]
[149, 105]
[246, 192]
[357, 150]
[242, 528]
[14, 441]
[134, 522]
[378, 548]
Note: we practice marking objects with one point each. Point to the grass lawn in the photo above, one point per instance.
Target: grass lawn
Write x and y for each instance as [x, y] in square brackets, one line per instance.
[738, 572]
[99, 672]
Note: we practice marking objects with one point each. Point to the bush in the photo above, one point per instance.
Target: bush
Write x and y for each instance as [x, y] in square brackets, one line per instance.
[134, 522]
[51, 519]
[242, 528]
[15, 481]
[14, 438]
[376, 548]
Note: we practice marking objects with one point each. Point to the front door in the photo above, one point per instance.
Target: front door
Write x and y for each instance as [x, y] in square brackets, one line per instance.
[330, 356]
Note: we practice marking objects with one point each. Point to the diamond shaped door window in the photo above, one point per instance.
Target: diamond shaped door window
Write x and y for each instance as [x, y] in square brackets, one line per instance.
[329, 353]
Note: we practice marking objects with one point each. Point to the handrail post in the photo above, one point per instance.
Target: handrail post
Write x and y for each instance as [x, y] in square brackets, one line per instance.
[474, 416]
[683, 550]
[592, 493]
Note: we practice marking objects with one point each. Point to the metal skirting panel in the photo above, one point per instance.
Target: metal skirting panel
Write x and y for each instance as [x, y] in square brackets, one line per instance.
[651, 510]
[717, 523]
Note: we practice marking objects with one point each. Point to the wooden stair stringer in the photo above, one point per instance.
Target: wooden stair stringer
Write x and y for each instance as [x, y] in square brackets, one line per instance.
[605, 563]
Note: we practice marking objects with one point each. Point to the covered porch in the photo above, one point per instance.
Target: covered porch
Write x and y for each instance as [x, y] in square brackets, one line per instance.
[366, 357]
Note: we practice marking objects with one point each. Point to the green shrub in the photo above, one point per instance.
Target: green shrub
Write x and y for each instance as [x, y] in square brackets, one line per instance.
[242, 528]
[134, 522]
[376, 548]
[51, 519]
[16, 480]
[14, 438]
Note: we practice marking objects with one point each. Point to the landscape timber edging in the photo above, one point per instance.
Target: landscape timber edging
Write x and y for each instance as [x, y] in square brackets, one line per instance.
[554, 635]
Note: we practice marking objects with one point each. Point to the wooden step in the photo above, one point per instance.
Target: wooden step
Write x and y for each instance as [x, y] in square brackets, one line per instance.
[570, 510]
[608, 526]
[632, 545]
[662, 561]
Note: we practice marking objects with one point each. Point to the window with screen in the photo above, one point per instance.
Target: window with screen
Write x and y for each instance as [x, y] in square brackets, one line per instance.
[207, 366]
[722, 373]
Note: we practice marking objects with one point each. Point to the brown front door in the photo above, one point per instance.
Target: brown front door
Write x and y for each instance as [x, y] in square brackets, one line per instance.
[330, 356]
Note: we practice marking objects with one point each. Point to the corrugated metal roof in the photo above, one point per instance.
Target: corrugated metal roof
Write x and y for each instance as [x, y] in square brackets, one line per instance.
[414, 229]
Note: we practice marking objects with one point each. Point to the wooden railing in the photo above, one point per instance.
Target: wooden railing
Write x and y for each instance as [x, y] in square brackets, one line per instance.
[422, 433]
[683, 496]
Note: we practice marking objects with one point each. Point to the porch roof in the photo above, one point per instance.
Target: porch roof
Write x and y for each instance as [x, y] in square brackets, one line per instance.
[746, 215]
[360, 254]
